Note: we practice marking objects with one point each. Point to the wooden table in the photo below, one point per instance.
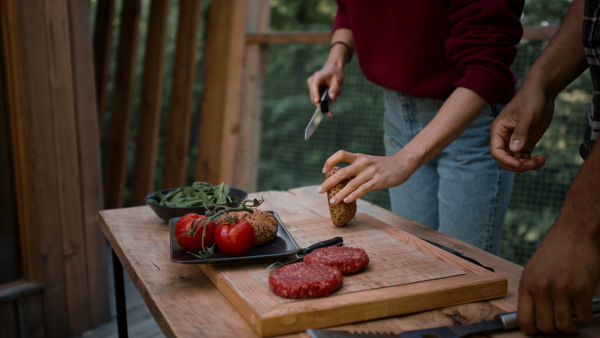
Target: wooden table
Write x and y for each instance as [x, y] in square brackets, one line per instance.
[185, 303]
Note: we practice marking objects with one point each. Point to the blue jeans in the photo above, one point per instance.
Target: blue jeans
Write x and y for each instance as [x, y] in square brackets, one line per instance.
[462, 192]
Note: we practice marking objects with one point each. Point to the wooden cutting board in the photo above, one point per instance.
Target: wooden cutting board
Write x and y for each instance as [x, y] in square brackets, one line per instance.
[405, 275]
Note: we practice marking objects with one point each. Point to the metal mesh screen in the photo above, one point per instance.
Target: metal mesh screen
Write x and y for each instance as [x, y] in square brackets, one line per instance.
[288, 161]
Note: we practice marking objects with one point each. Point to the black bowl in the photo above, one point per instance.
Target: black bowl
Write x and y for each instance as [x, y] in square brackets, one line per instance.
[166, 212]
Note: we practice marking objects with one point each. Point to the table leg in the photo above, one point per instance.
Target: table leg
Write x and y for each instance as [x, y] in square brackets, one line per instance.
[120, 296]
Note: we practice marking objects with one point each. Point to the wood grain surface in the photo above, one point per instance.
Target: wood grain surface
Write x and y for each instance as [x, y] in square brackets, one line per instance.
[185, 303]
[405, 275]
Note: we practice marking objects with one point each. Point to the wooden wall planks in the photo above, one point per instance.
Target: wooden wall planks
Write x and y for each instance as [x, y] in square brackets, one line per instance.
[87, 136]
[54, 106]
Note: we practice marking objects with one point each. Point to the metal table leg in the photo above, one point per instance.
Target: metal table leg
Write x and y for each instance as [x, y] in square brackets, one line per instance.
[120, 296]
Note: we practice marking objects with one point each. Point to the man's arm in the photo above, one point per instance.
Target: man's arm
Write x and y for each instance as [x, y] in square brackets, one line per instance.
[565, 270]
[525, 119]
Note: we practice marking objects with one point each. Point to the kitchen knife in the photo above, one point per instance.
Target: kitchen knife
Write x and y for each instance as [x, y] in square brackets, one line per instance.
[345, 334]
[506, 321]
[457, 253]
[318, 115]
[299, 256]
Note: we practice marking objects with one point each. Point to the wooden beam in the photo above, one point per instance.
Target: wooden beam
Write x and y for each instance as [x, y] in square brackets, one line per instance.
[105, 14]
[88, 148]
[146, 145]
[255, 68]
[120, 122]
[182, 95]
[20, 125]
[42, 164]
[219, 124]
[66, 152]
[263, 38]
[288, 37]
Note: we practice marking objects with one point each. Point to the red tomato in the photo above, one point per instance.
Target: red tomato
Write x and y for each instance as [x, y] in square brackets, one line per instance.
[189, 232]
[236, 239]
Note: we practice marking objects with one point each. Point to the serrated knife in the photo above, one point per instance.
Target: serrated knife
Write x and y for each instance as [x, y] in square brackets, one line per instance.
[318, 115]
[506, 321]
[299, 256]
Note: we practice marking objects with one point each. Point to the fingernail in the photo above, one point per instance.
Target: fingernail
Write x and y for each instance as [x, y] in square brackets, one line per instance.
[316, 100]
[324, 170]
[346, 200]
[320, 189]
[516, 142]
[333, 200]
[332, 95]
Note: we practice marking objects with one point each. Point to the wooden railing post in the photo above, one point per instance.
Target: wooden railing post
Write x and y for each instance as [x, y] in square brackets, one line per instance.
[255, 64]
[146, 145]
[182, 95]
[122, 111]
[221, 98]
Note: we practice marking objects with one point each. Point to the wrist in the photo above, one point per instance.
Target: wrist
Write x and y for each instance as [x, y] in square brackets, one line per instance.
[345, 48]
[408, 160]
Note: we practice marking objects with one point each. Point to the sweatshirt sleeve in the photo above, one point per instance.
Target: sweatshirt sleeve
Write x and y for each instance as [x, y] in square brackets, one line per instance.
[341, 17]
[483, 42]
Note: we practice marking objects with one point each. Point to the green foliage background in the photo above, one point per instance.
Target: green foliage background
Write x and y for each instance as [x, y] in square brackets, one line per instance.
[288, 161]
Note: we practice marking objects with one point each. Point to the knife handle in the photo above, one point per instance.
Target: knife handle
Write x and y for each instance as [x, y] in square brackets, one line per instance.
[509, 320]
[330, 242]
[324, 103]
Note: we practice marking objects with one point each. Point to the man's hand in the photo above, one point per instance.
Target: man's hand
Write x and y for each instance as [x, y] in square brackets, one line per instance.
[519, 127]
[561, 275]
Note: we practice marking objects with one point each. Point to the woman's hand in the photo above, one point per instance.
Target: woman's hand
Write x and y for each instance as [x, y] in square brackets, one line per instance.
[369, 172]
[331, 76]
[332, 73]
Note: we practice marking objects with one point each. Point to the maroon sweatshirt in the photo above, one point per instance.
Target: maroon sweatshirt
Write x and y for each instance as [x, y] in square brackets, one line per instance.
[427, 48]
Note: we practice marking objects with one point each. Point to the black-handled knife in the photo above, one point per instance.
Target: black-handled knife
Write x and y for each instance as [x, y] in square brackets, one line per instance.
[298, 256]
[317, 117]
[506, 321]
[457, 253]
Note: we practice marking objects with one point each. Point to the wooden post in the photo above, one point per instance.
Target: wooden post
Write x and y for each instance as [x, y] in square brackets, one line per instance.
[221, 99]
[182, 95]
[88, 138]
[146, 144]
[105, 13]
[62, 155]
[255, 64]
[120, 122]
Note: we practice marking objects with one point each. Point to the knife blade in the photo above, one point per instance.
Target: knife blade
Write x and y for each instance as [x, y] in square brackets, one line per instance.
[457, 253]
[345, 334]
[318, 115]
[298, 256]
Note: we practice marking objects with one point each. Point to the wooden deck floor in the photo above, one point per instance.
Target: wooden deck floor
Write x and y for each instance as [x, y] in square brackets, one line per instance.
[140, 322]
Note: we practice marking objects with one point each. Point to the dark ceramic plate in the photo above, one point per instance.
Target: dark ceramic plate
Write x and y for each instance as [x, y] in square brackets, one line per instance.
[283, 245]
[166, 213]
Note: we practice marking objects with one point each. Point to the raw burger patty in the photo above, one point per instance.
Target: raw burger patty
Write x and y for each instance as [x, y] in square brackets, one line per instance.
[301, 280]
[346, 259]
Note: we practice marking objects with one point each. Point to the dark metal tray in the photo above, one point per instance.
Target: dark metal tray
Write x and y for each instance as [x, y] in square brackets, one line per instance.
[283, 245]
